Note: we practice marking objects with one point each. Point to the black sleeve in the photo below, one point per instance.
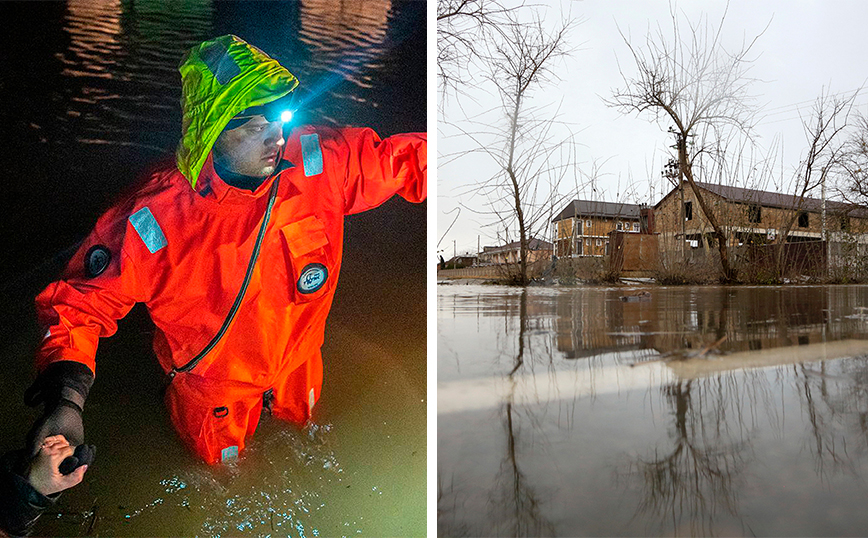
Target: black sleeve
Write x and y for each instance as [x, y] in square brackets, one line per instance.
[22, 504]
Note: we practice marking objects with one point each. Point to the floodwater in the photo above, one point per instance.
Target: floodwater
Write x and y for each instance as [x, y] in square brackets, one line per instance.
[91, 97]
[689, 411]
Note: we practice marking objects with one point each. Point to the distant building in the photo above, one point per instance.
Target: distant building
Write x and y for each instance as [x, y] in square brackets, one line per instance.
[510, 253]
[460, 262]
[754, 217]
[583, 227]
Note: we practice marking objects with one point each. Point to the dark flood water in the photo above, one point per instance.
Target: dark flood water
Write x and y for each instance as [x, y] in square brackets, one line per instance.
[695, 411]
[90, 94]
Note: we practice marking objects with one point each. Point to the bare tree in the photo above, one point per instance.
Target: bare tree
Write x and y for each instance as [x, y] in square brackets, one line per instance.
[691, 81]
[465, 28]
[530, 161]
[824, 132]
[854, 164]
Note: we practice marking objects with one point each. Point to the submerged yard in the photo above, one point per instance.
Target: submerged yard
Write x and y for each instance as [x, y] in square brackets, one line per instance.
[688, 411]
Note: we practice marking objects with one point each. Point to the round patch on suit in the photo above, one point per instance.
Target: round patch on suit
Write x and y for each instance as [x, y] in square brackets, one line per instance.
[96, 260]
[312, 278]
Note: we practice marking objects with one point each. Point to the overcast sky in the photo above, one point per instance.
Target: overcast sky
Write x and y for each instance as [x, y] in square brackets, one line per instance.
[808, 46]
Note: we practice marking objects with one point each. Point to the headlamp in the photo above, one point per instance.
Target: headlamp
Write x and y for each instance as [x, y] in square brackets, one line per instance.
[277, 110]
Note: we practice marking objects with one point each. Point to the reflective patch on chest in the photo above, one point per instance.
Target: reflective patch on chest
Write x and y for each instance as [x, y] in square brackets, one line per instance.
[96, 260]
[311, 154]
[149, 231]
[313, 277]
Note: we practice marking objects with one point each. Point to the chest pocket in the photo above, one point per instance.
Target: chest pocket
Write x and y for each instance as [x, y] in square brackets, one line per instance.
[310, 259]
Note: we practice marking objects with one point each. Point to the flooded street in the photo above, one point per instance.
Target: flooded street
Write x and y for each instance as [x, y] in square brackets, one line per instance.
[688, 411]
[92, 98]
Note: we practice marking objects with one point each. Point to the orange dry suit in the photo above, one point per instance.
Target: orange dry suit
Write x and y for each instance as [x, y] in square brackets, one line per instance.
[182, 245]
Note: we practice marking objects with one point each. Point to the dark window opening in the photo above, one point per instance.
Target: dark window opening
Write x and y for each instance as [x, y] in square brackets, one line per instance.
[845, 223]
[711, 240]
[803, 219]
[754, 213]
[688, 210]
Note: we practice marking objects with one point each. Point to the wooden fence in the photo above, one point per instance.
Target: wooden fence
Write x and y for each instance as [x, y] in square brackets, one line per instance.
[485, 271]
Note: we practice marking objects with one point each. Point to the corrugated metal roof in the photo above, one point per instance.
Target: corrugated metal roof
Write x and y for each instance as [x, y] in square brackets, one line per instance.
[777, 199]
[590, 208]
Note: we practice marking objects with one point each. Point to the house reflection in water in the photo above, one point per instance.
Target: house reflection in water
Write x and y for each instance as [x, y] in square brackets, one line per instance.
[683, 321]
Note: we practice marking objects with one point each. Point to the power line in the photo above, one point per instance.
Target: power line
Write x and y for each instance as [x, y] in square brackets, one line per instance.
[799, 117]
[795, 105]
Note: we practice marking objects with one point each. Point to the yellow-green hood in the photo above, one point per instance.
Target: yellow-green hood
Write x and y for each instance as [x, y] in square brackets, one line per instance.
[219, 79]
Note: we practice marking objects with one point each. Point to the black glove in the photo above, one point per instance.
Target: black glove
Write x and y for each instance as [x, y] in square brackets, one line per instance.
[84, 455]
[63, 388]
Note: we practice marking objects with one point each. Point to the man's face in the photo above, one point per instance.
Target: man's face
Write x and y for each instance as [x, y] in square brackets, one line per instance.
[251, 149]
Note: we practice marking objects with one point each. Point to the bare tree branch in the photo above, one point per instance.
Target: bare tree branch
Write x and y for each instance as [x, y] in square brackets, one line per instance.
[690, 80]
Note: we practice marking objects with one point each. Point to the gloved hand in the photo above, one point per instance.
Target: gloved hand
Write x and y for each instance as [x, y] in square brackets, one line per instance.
[63, 387]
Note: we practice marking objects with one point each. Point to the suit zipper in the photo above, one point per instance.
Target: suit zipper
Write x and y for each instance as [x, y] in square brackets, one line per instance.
[272, 195]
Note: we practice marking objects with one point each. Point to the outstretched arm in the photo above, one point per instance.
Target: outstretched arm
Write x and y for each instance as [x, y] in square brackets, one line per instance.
[377, 169]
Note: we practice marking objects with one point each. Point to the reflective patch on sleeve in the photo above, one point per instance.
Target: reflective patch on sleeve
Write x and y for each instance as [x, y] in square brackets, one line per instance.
[222, 66]
[229, 453]
[148, 229]
[47, 333]
[310, 401]
[311, 154]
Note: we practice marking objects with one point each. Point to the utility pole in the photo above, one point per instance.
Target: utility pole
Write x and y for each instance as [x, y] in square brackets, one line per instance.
[680, 142]
[823, 220]
[672, 171]
[454, 251]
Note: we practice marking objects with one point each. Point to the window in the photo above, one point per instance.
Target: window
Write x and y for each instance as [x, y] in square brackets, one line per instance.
[635, 226]
[803, 219]
[845, 223]
[618, 226]
[688, 210]
[588, 223]
[599, 242]
[588, 242]
[754, 213]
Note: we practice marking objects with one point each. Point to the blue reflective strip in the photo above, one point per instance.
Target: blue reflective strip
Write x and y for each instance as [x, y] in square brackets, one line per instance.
[229, 453]
[148, 229]
[222, 66]
[311, 154]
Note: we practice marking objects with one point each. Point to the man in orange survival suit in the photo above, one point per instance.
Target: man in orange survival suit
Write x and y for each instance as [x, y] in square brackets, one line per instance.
[235, 250]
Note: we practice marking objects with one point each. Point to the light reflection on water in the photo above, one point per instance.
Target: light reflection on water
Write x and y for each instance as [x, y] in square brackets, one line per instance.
[697, 411]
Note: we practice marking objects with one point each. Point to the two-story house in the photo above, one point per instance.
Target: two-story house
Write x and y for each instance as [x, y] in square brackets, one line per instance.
[582, 228]
[751, 216]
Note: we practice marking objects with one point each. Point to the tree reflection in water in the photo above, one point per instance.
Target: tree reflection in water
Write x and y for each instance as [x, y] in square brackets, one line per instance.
[514, 504]
[732, 453]
[835, 398]
[686, 488]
